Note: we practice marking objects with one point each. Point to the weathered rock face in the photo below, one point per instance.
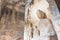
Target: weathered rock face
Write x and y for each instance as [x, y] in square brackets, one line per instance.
[17, 5]
[39, 15]
[12, 19]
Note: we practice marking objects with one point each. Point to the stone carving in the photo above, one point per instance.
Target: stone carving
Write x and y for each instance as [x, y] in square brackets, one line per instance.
[38, 21]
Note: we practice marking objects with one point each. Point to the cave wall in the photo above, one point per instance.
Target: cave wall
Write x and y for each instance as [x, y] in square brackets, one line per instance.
[12, 19]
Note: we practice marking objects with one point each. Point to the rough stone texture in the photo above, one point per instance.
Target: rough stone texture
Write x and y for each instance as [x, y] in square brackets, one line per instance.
[11, 20]
[32, 28]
